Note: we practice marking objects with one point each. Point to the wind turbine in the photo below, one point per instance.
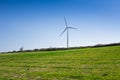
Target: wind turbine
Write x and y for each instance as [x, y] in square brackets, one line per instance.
[67, 29]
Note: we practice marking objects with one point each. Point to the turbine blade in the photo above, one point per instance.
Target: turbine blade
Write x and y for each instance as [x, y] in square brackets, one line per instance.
[72, 28]
[65, 21]
[63, 31]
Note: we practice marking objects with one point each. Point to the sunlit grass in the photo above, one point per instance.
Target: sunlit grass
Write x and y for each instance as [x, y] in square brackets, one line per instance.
[78, 64]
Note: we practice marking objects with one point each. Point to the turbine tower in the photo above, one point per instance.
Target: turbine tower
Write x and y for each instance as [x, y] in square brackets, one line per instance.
[67, 29]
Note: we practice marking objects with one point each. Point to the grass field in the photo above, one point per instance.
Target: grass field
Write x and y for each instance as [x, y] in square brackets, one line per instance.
[78, 64]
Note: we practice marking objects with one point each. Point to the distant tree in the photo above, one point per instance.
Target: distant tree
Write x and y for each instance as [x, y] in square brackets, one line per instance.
[35, 49]
[13, 51]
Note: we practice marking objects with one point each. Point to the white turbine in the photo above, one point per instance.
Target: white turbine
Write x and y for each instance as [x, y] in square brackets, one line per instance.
[67, 29]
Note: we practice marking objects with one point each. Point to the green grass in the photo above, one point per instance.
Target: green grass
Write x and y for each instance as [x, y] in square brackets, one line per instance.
[78, 64]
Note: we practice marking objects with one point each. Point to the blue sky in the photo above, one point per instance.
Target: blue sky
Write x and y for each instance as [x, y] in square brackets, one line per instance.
[38, 23]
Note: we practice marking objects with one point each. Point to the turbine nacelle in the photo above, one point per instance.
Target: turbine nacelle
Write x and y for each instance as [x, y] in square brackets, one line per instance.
[67, 29]
[71, 28]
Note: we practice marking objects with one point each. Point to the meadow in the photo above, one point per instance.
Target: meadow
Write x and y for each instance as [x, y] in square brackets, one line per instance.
[102, 63]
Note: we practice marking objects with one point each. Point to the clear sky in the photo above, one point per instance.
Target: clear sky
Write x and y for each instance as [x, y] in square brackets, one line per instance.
[38, 23]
